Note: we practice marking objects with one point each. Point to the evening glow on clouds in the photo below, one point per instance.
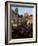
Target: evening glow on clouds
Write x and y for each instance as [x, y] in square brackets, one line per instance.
[22, 10]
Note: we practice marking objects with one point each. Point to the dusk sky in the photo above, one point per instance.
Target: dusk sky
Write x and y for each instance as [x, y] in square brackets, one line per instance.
[22, 10]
